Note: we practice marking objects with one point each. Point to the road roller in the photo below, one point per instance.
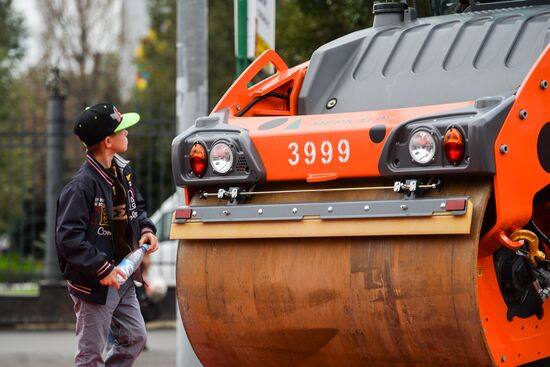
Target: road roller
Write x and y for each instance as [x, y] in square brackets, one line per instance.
[386, 203]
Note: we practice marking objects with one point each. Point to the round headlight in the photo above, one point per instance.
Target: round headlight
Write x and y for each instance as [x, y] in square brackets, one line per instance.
[221, 158]
[422, 147]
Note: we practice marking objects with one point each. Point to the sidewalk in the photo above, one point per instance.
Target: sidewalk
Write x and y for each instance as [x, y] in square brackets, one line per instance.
[56, 348]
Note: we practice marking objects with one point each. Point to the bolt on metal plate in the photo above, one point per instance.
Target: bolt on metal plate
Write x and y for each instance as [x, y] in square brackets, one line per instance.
[331, 103]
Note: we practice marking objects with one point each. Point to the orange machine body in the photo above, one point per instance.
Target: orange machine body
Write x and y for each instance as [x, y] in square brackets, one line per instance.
[326, 149]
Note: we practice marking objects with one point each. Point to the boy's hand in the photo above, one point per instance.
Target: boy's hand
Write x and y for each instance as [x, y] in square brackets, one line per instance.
[111, 279]
[151, 239]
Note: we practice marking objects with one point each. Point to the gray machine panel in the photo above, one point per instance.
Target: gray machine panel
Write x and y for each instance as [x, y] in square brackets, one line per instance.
[426, 61]
[326, 210]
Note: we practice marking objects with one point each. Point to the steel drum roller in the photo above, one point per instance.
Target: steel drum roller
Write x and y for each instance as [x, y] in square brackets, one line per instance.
[389, 300]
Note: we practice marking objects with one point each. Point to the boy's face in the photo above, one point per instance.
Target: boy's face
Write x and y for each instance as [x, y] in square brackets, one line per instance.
[119, 141]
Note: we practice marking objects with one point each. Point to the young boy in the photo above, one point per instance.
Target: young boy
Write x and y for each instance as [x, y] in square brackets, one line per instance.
[100, 218]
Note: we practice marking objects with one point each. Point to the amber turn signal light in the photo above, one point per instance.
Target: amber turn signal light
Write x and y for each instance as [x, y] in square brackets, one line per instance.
[198, 159]
[453, 145]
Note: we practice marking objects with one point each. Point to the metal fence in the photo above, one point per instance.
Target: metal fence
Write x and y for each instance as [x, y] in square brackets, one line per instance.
[23, 152]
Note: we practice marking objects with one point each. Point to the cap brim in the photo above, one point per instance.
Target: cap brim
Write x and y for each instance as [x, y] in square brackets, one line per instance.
[128, 119]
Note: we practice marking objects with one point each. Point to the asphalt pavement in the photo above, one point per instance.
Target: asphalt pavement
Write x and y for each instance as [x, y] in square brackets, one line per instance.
[49, 348]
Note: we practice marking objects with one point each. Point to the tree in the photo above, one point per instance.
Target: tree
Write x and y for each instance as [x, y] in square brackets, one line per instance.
[155, 57]
[221, 49]
[11, 51]
[81, 38]
[304, 26]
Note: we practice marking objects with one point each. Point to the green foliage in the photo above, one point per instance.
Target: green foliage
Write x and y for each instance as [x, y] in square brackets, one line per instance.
[19, 289]
[14, 267]
[156, 55]
[15, 177]
[11, 36]
[22, 163]
[303, 26]
[11, 50]
[155, 92]
[12, 160]
[221, 49]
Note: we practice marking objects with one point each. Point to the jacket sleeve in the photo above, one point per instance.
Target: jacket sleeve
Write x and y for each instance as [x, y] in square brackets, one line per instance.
[145, 224]
[73, 218]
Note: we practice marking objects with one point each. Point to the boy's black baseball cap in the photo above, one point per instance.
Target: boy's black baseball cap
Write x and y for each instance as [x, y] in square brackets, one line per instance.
[101, 120]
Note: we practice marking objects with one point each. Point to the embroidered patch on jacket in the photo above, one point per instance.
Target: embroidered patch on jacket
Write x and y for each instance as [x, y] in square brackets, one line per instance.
[100, 217]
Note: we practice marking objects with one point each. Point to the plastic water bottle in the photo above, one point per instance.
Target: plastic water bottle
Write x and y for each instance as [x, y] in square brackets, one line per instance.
[131, 262]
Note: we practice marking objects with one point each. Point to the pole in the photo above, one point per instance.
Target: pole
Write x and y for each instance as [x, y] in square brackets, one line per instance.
[241, 17]
[54, 175]
[191, 103]
[192, 59]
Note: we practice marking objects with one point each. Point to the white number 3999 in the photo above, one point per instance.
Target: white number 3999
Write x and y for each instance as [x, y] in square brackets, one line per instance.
[326, 152]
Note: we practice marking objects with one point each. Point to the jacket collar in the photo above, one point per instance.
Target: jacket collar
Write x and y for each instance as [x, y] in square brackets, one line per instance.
[121, 162]
[101, 171]
[104, 173]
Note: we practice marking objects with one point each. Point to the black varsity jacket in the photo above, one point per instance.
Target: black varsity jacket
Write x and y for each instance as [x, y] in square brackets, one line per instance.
[84, 220]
